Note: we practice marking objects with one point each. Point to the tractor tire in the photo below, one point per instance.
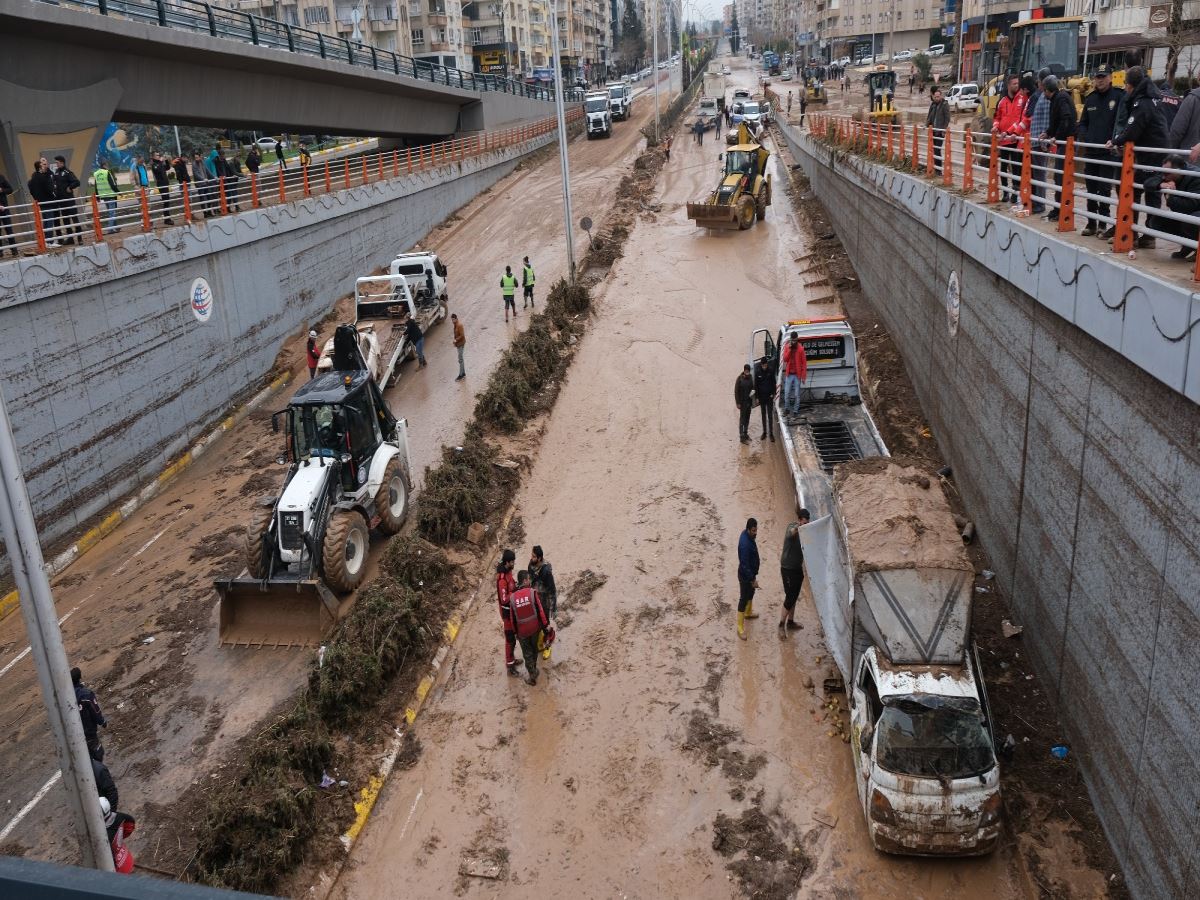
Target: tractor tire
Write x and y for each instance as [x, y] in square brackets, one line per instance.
[391, 502]
[256, 559]
[745, 212]
[760, 205]
[344, 554]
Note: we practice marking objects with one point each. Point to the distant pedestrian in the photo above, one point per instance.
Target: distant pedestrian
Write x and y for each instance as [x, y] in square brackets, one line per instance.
[232, 172]
[460, 341]
[938, 118]
[90, 715]
[161, 170]
[666, 145]
[541, 575]
[279, 154]
[789, 105]
[791, 567]
[795, 370]
[508, 285]
[803, 97]
[912, 80]
[41, 189]
[698, 130]
[66, 183]
[203, 184]
[305, 156]
[505, 586]
[6, 191]
[140, 174]
[743, 396]
[529, 622]
[764, 390]
[527, 282]
[416, 337]
[313, 352]
[747, 574]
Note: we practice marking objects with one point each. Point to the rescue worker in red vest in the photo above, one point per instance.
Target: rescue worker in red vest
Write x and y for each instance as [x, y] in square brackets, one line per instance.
[530, 622]
[505, 586]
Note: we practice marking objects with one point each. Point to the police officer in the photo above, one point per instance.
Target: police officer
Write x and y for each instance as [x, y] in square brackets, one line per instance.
[1095, 125]
[1147, 128]
[508, 284]
[527, 282]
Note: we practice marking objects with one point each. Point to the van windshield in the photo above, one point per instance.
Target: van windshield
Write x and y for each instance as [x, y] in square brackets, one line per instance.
[925, 736]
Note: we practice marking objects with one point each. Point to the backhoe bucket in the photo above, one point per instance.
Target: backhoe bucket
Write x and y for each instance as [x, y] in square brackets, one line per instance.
[277, 613]
[713, 215]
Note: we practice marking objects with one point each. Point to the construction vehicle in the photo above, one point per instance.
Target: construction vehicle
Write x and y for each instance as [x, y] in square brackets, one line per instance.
[816, 91]
[893, 587]
[881, 89]
[348, 472]
[620, 100]
[745, 189]
[383, 304]
[599, 116]
[833, 425]
[714, 86]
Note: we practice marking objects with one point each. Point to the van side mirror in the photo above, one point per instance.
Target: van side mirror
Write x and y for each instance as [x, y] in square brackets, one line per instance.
[720, 157]
[864, 739]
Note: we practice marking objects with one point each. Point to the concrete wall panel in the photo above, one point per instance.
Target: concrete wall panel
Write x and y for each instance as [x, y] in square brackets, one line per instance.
[1061, 407]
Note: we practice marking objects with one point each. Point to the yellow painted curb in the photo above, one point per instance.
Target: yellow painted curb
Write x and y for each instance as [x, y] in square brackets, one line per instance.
[364, 805]
[10, 602]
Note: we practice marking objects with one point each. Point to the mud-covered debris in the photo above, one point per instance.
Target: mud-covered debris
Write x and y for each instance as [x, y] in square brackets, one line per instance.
[709, 740]
[765, 856]
[580, 592]
[480, 867]
[410, 752]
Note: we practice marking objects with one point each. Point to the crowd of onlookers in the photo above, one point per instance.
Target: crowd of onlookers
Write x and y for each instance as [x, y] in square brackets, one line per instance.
[53, 186]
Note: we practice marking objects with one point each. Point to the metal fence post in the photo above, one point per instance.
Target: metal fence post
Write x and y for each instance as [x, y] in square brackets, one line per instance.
[97, 228]
[1123, 236]
[968, 161]
[1027, 173]
[39, 231]
[328, 179]
[1066, 199]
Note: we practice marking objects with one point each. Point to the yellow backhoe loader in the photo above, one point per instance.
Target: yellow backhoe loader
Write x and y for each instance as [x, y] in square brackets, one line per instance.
[745, 189]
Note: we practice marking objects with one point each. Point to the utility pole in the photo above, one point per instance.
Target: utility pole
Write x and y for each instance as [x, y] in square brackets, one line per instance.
[958, 38]
[19, 530]
[891, 44]
[562, 144]
[654, 75]
[982, 42]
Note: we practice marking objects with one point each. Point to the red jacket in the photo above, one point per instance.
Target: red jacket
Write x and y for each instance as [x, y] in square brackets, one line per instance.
[1010, 118]
[505, 585]
[314, 353]
[795, 363]
[528, 616]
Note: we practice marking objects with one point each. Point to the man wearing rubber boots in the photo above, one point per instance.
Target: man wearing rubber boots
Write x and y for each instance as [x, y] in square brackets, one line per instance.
[530, 623]
[747, 574]
[505, 586]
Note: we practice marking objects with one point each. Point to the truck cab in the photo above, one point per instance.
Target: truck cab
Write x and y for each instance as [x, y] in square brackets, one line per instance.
[599, 115]
[924, 757]
[620, 99]
[418, 268]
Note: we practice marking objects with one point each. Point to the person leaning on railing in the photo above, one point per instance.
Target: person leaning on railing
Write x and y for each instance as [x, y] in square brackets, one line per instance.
[1062, 126]
[1146, 128]
[1010, 124]
[1184, 198]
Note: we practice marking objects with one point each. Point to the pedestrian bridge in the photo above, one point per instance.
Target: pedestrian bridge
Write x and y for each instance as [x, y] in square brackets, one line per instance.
[70, 67]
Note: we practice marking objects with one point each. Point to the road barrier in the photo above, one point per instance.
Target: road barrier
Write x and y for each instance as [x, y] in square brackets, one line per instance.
[1036, 176]
[36, 228]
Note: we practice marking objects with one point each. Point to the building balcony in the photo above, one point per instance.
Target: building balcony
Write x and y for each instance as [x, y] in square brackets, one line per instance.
[381, 14]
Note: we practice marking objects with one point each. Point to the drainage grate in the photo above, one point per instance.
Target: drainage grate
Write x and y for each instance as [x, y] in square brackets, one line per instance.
[834, 443]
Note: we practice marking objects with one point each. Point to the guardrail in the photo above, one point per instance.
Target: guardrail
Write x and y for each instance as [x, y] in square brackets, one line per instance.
[35, 228]
[1067, 179]
[200, 17]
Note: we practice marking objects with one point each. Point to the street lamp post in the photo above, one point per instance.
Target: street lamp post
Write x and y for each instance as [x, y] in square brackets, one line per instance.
[562, 143]
[654, 75]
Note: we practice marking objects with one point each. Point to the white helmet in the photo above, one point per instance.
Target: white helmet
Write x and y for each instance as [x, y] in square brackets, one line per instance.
[106, 811]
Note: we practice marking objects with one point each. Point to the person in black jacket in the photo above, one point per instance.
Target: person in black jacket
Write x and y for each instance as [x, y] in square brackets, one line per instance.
[6, 191]
[231, 169]
[1095, 127]
[743, 396]
[938, 118]
[253, 159]
[41, 189]
[162, 170]
[764, 389]
[90, 715]
[1146, 128]
[65, 185]
[416, 337]
[1186, 179]
[106, 787]
[1062, 126]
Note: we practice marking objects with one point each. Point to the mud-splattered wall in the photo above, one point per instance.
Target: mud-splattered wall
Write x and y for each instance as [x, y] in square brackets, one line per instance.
[1064, 398]
[108, 371]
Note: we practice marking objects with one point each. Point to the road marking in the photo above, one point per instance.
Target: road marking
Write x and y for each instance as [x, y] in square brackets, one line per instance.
[146, 546]
[412, 809]
[24, 653]
[28, 807]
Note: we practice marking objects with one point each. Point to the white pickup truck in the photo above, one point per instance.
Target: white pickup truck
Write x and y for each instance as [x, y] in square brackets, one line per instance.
[419, 268]
[383, 305]
[893, 587]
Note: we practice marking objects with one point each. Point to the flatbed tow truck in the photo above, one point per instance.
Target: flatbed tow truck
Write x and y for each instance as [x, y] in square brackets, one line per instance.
[833, 425]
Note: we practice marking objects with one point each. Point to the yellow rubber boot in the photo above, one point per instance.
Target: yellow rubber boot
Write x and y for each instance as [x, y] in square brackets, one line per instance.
[742, 626]
[750, 613]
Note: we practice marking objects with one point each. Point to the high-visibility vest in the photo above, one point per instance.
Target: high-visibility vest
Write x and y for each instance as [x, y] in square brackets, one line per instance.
[104, 187]
[509, 283]
[528, 270]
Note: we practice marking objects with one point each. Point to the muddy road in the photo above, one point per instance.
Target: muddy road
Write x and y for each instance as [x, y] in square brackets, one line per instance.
[139, 611]
[657, 756]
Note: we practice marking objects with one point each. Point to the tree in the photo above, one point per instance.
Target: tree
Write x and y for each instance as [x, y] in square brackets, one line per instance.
[633, 37]
[735, 35]
[923, 65]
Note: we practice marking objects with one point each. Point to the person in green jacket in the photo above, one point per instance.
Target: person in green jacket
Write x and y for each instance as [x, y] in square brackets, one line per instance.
[527, 282]
[107, 192]
[508, 284]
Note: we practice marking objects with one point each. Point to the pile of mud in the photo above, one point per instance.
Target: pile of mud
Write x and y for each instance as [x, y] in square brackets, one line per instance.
[766, 858]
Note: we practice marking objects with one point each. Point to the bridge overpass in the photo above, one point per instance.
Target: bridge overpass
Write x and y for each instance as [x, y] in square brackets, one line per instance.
[70, 68]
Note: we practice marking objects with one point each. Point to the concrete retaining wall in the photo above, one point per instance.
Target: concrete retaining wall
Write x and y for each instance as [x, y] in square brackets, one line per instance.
[109, 373]
[1065, 404]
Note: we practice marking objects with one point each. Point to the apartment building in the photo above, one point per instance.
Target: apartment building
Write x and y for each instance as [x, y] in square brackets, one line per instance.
[380, 23]
[856, 28]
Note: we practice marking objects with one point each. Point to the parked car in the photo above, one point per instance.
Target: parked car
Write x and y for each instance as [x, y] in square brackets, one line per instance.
[267, 143]
[903, 56]
[786, 76]
[936, 50]
[725, 70]
[844, 61]
[963, 97]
